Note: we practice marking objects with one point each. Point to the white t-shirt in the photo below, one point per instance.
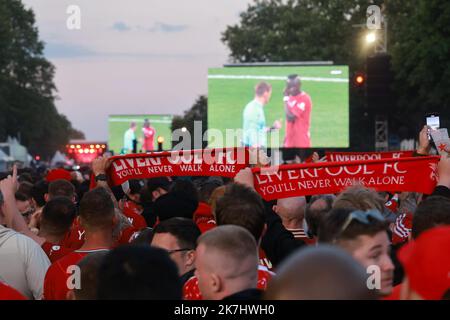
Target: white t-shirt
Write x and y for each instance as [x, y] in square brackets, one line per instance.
[23, 263]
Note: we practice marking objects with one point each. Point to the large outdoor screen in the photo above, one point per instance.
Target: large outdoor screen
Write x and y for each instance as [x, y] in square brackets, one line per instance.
[145, 129]
[288, 106]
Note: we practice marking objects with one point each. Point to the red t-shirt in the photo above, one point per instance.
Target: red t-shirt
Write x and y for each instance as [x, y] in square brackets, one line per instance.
[55, 251]
[395, 295]
[191, 291]
[128, 234]
[9, 293]
[298, 131]
[133, 213]
[149, 134]
[264, 261]
[55, 282]
[75, 237]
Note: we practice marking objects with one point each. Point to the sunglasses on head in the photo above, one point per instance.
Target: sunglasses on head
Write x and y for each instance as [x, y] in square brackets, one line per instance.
[364, 217]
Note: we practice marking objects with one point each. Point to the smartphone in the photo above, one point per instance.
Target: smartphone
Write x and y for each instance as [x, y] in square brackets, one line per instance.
[432, 122]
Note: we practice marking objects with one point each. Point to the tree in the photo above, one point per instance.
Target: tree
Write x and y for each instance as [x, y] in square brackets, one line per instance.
[76, 135]
[421, 56]
[198, 112]
[27, 89]
[302, 30]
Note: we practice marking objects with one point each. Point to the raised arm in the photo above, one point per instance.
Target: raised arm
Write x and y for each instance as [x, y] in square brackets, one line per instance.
[443, 185]
[99, 167]
[14, 219]
[289, 115]
[424, 144]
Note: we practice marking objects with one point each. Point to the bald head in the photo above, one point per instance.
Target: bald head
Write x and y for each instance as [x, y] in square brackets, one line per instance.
[291, 208]
[317, 208]
[323, 272]
[227, 261]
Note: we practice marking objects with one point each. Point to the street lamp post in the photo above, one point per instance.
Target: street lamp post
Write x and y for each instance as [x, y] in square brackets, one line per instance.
[377, 39]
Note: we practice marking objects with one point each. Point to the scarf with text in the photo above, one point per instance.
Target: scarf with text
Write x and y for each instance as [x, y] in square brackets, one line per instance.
[403, 174]
[357, 156]
[225, 162]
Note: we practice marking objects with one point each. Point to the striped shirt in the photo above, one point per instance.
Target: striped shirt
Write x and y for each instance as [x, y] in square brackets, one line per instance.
[299, 234]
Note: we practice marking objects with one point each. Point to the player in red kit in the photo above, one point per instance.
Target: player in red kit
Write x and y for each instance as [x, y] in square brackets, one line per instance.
[298, 106]
[149, 133]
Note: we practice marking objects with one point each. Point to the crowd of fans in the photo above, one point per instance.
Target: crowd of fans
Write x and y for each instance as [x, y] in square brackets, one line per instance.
[65, 235]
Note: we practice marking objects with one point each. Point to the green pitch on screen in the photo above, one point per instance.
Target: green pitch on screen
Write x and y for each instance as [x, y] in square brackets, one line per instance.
[230, 89]
[118, 124]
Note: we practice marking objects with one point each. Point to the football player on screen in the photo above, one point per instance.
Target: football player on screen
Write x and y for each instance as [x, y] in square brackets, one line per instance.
[297, 106]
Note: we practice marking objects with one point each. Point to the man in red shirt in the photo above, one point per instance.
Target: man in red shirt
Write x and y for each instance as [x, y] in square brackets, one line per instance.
[73, 238]
[98, 219]
[298, 106]
[149, 133]
[56, 219]
[131, 206]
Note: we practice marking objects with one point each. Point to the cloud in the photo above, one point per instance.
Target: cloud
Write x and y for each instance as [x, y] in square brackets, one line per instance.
[158, 27]
[62, 50]
[167, 28]
[121, 26]
[54, 50]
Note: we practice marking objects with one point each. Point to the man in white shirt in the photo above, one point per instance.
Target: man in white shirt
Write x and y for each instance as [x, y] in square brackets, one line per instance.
[23, 263]
[128, 138]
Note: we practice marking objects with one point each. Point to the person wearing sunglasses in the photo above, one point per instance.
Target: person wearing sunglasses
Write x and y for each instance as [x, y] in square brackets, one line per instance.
[364, 234]
[24, 206]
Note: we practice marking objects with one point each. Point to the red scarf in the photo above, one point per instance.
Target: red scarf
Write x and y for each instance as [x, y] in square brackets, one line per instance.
[403, 174]
[357, 156]
[224, 162]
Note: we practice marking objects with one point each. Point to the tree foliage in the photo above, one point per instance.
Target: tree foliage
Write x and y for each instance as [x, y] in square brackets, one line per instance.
[198, 112]
[299, 30]
[27, 108]
[421, 55]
